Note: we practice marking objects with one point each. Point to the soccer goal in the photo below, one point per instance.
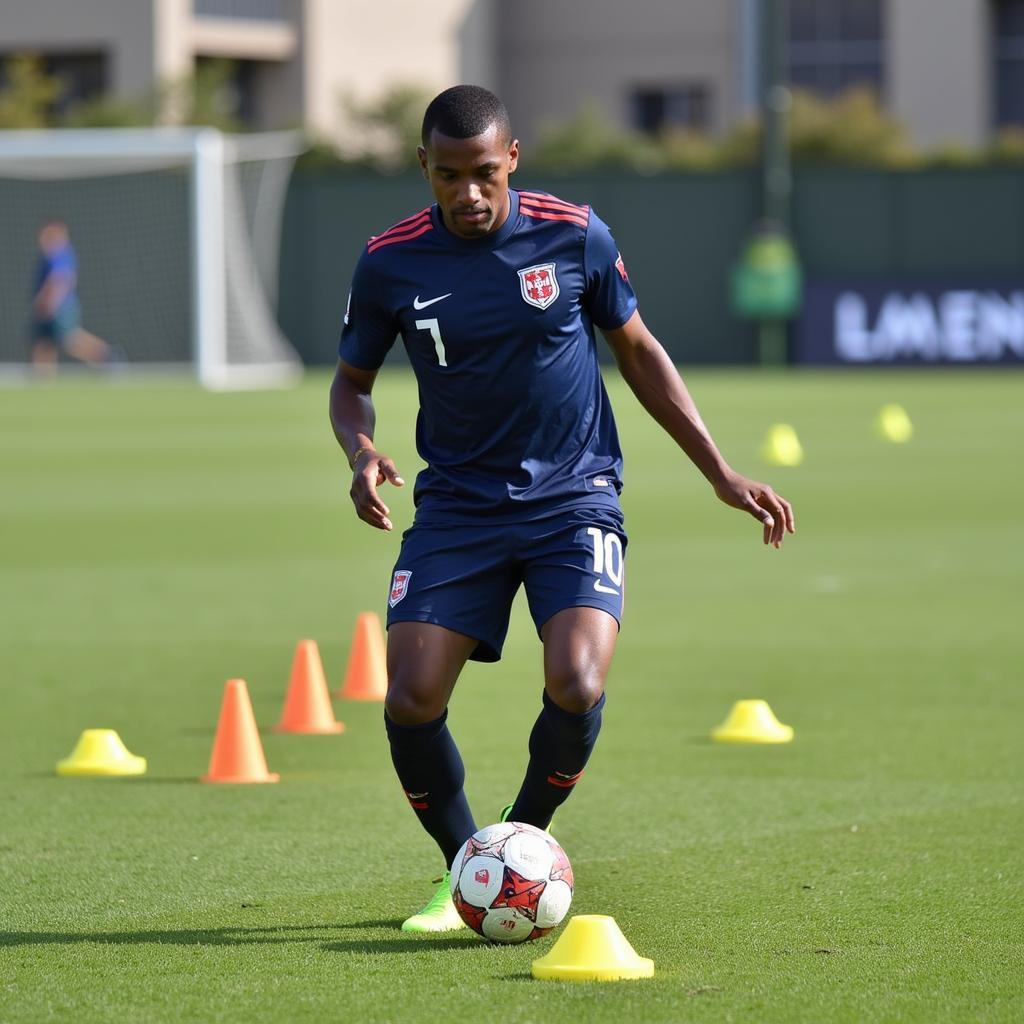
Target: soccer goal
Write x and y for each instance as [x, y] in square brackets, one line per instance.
[176, 231]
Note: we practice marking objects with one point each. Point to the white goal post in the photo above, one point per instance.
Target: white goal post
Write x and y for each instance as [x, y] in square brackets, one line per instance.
[215, 203]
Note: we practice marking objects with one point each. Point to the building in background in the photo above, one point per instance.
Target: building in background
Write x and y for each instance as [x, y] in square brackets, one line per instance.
[953, 70]
[293, 60]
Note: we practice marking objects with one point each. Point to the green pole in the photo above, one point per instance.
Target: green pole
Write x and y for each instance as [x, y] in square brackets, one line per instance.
[776, 175]
[775, 100]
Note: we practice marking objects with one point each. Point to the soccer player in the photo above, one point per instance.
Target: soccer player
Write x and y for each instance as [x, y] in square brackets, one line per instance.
[56, 315]
[496, 294]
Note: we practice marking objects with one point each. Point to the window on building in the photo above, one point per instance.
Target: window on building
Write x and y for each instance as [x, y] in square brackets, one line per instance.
[1009, 61]
[657, 108]
[835, 44]
[82, 76]
[263, 10]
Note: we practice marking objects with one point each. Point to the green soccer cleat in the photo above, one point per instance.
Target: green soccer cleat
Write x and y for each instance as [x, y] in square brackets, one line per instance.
[507, 810]
[439, 915]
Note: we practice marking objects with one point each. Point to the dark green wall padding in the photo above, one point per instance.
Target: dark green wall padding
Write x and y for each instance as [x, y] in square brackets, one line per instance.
[679, 236]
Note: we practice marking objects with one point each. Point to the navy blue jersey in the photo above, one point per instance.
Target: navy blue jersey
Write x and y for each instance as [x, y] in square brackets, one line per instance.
[514, 419]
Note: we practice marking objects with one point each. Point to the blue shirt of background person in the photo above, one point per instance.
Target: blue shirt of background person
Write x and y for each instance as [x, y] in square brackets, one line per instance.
[55, 286]
[58, 263]
[56, 330]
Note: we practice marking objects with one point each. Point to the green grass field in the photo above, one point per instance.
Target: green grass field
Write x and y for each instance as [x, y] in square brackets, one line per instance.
[157, 540]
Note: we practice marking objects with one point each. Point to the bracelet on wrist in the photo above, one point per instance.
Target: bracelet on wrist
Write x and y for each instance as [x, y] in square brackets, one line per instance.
[360, 451]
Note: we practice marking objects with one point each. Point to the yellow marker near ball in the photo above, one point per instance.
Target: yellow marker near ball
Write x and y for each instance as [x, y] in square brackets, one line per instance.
[592, 948]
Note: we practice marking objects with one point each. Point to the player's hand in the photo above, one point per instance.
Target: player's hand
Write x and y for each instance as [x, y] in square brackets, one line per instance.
[371, 469]
[771, 510]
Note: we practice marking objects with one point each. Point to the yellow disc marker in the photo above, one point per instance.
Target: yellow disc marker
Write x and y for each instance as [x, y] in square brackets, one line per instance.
[101, 752]
[752, 721]
[782, 447]
[893, 424]
[592, 948]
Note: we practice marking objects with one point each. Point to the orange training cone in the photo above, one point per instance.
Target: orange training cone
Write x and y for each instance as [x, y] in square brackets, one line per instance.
[237, 752]
[366, 677]
[307, 706]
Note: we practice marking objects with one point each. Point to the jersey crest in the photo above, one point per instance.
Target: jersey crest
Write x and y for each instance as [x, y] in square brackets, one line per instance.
[539, 285]
[399, 586]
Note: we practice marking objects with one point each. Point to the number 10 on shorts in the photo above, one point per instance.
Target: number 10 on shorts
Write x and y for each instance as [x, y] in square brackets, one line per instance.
[607, 559]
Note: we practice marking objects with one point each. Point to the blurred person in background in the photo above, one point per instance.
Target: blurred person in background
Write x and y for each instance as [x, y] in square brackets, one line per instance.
[56, 313]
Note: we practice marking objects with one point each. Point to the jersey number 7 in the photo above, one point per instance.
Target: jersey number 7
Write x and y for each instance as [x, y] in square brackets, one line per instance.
[435, 332]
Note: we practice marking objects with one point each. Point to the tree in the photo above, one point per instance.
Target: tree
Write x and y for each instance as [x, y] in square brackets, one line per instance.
[386, 131]
[27, 99]
[206, 97]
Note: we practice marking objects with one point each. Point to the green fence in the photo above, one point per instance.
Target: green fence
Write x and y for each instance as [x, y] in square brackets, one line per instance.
[679, 236]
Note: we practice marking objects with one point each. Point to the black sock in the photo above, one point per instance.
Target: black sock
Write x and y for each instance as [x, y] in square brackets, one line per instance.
[560, 745]
[431, 772]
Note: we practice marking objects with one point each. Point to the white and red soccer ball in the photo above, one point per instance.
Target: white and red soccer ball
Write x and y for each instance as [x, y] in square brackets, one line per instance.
[511, 882]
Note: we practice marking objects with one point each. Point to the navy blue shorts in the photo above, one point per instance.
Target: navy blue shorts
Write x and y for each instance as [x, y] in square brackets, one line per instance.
[465, 577]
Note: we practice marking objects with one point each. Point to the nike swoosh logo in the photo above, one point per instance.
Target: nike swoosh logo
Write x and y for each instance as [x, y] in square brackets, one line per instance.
[416, 304]
[601, 588]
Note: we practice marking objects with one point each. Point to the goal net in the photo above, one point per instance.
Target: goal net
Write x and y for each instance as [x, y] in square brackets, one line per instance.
[176, 233]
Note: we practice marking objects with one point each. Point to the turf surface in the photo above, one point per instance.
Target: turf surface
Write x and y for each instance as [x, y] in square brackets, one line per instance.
[157, 540]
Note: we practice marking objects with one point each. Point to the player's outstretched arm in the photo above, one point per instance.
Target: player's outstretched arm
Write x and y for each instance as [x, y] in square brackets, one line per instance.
[654, 380]
[353, 420]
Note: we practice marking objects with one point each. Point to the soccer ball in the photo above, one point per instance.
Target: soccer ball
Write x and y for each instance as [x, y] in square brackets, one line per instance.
[511, 882]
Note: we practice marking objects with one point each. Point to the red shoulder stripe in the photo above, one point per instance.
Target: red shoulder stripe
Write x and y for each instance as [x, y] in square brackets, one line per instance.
[556, 216]
[407, 222]
[405, 236]
[573, 218]
[533, 204]
[388, 235]
[415, 216]
[547, 197]
[539, 197]
[569, 211]
[404, 225]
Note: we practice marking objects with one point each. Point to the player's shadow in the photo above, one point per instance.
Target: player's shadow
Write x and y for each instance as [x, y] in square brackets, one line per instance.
[405, 944]
[115, 780]
[163, 780]
[241, 936]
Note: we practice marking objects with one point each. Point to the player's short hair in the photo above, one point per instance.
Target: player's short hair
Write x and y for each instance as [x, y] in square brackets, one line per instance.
[464, 111]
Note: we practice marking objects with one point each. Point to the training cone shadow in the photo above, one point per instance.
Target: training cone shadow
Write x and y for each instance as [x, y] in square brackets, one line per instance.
[592, 948]
[237, 754]
[782, 447]
[366, 676]
[752, 721]
[307, 705]
[101, 752]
